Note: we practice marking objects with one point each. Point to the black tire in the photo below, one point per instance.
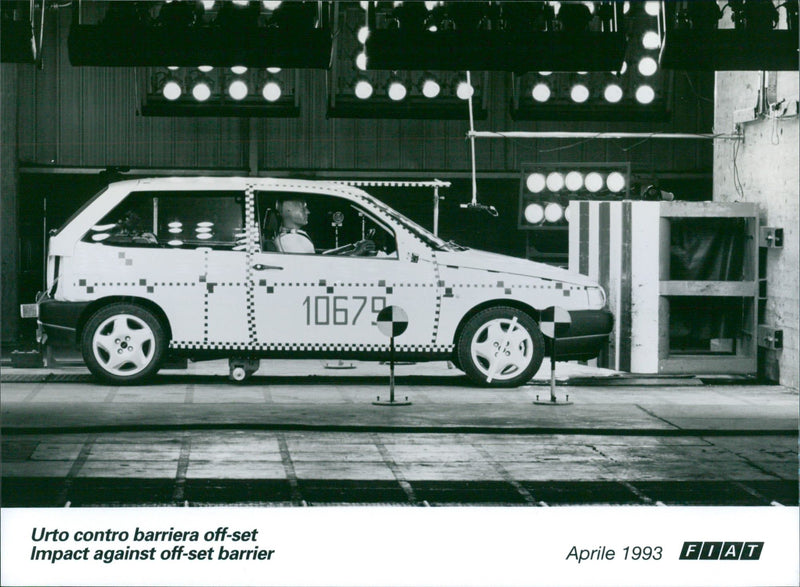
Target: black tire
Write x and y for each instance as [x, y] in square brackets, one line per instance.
[486, 334]
[123, 343]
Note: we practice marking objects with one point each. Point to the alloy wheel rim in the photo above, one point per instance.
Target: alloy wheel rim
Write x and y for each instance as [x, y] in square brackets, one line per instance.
[501, 349]
[124, 345]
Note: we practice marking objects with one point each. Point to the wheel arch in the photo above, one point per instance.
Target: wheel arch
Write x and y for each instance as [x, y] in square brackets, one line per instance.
[528, 309]
[102, 302]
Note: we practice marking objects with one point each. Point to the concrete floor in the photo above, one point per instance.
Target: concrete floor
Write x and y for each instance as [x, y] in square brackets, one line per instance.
[301, 434]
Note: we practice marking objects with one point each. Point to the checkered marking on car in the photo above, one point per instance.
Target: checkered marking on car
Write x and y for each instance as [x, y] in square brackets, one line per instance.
[205, 296]
[252, 249]
[437, 309]
[298, 346]
[124, 257]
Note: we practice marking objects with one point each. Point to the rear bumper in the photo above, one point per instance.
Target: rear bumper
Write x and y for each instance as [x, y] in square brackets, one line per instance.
[59, 321]
[587, 335]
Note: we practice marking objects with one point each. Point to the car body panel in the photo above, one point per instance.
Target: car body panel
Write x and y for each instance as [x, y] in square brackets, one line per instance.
[261, 303]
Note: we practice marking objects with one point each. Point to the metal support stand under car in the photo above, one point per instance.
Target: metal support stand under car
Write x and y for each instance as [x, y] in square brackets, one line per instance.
[554, 322]
[392, 321]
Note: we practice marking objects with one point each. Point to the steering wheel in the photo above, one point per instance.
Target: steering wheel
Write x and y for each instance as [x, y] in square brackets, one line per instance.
[351, 247]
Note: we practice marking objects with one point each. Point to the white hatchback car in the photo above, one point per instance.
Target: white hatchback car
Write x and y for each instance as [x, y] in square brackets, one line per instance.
[187, 267]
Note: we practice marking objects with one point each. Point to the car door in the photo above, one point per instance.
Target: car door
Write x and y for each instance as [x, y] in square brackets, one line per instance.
[328, 303]
[210, 223]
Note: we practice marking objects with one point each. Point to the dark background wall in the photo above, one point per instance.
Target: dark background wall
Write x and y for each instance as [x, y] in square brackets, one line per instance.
[63, 124]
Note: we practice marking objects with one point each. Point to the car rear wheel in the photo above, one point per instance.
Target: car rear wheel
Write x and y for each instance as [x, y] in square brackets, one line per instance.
[501, 347]
[123, 343]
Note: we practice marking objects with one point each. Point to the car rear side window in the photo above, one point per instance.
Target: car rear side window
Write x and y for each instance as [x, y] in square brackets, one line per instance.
[179, 219]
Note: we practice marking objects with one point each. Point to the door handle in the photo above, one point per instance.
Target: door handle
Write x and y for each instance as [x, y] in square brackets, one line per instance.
[260, 267]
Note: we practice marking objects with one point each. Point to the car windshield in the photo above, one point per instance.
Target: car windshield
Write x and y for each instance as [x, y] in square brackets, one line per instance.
[422, 233]
[78, 211]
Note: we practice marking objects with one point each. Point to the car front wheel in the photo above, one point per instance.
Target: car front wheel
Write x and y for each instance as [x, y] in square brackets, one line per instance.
[501, 347]
[123, 343]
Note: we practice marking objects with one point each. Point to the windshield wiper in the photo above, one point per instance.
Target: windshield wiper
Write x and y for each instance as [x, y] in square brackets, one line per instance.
[455, 246]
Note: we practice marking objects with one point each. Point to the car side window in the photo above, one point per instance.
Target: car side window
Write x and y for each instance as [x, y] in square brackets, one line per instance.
[179, 220]
[332, 224]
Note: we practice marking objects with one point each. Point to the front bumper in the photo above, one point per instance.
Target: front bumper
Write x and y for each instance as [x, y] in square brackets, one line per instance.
[587, 336]
[59, 321]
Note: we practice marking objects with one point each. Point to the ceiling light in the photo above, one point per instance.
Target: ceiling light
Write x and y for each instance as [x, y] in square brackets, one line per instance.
[553, 212]
[201, 91]
[271, 91]
[651, 8]
[430, 88]
[594, 181]
[363, 34]
[534, 213]
[645, 94]
[535, 182]
[579, 93]
[205, 68]
[647, 66]
[464, 90]
[273, 70]
[397, 91]
[208, 4]
[613, 93]
[172, 90]
[541, 92]
[239, 69]
[363, 89]
[270, 5]
[573, 181]
[237, 90]
[555, 181]
[615, 181]
[651, 40]
[361, 61]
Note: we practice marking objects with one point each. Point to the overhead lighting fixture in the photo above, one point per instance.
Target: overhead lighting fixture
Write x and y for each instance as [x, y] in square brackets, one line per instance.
[612, 93]
[594, 182]
[237, 90]
[651, 40]
[534, 213]
[645, 94]
[201, 91]
[652, 8]
[697, 37]
[579, 93]
[431, 88]
[495, 36]
[187, 32]
[363, 34]
[647, 66]
[574, 18]
[573, 181]
[361, 61]
[271, 91]
[363, 89]
[464, 90]
[396, 90]
[555, 181]
[172, 90]
[541, 92]
[553, 212]
[189, 92]
[615, 182]
[239, 69]
[535, 182]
